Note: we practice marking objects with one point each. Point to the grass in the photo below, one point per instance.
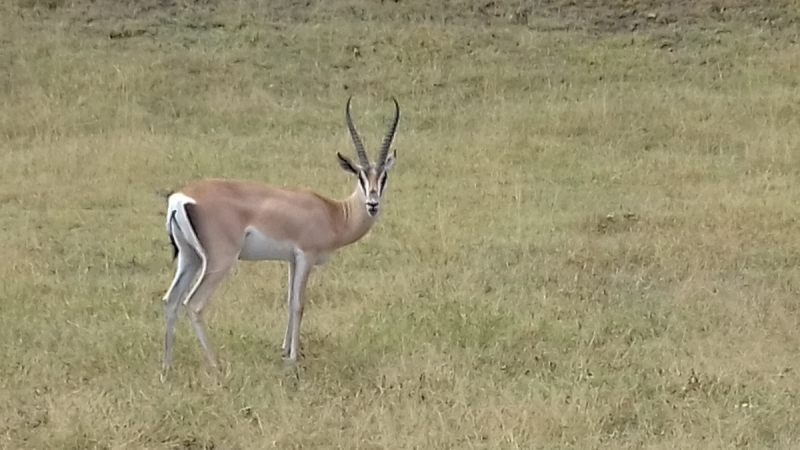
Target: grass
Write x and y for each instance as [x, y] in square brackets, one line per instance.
[589, 240]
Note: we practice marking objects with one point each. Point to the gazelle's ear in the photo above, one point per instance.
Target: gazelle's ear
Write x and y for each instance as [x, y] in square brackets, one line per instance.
[387, 166]
[346, 164]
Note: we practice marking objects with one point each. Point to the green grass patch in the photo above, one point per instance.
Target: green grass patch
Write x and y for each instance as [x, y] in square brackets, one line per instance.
[588, 240]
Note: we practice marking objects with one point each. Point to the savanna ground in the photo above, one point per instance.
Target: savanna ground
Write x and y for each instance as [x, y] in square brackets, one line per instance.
[589, 241]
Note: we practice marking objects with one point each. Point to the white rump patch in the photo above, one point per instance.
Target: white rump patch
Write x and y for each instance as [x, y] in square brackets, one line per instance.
[175, 201]
[259, 247]
[182, 231]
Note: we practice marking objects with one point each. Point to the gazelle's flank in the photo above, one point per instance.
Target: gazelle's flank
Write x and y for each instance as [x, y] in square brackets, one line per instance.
[213, 223]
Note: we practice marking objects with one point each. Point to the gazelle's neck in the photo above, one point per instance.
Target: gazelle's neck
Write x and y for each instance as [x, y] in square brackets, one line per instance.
[356, 220]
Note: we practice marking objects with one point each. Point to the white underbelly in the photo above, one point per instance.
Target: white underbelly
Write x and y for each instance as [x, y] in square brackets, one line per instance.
[258, 247]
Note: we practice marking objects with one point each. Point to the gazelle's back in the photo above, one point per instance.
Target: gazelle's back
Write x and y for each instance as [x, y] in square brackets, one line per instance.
[225, 207]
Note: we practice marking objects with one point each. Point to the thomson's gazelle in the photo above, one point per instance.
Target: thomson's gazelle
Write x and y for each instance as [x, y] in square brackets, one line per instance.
[213, 223]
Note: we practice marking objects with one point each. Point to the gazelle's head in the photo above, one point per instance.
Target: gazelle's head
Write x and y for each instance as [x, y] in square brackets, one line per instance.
[371, 178]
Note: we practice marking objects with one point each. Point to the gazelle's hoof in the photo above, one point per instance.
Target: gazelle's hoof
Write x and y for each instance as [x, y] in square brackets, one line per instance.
[214, 367]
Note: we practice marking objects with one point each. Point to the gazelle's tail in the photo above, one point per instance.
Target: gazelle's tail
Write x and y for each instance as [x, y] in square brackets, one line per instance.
[182, 235]
[179, 224]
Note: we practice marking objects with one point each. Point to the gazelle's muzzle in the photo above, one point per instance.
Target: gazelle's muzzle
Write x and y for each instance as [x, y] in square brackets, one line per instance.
[373, 204]
[373, 208]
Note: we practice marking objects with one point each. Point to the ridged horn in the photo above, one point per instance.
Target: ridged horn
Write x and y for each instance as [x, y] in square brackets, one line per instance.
[362, 155]
[387, 141]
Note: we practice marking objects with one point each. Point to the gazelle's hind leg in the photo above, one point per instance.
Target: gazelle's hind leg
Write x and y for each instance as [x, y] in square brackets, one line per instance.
[206, 286]
[189, 264]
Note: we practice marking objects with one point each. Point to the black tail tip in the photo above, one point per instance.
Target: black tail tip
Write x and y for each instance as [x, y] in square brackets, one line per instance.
[174, 247]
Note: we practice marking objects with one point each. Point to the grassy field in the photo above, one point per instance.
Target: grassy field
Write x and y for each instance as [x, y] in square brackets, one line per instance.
[589, 240]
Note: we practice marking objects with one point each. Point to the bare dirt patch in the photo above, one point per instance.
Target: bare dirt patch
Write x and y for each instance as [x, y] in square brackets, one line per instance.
[630, 15]
[597, 16]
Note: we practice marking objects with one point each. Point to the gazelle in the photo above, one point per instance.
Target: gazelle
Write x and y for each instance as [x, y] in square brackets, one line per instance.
[213, 223]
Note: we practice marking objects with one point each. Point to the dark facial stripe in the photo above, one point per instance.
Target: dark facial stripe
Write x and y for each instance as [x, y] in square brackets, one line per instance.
[382, 181]
[363, 182]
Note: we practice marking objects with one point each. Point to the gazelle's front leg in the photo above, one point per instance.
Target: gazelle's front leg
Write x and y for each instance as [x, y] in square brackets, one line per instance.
[302, 268]
[287, 338]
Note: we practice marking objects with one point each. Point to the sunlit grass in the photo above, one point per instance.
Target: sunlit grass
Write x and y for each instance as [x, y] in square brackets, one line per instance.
[589, 240]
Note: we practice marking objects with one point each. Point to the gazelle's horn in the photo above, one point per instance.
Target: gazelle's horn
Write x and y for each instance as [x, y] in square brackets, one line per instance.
[387, 141]
[362, 155]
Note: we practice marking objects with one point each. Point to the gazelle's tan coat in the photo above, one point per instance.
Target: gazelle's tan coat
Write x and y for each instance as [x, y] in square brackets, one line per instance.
[312, 222]
[213, 223]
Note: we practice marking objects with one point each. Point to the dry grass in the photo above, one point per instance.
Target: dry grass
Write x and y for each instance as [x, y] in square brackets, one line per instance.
[589, 241]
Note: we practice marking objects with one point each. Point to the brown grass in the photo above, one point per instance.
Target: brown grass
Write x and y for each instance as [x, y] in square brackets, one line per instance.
[589, 241]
